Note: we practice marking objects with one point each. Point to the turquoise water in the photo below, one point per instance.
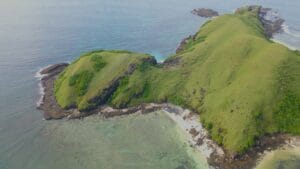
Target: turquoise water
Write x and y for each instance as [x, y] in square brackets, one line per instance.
[147, 141]
[36, 33]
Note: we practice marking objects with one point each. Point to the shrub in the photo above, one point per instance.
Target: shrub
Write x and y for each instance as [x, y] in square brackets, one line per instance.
[288, 114]
[99, 62]
[81, 82]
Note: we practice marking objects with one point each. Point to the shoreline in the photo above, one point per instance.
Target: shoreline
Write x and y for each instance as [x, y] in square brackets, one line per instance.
[40, 76]
[47, 102]
[215, 155]
[287, 30]
[198, 137]
[293, 48]
[293, 147]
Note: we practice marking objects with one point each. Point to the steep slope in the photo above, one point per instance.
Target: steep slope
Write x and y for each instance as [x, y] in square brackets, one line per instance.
[242, 84]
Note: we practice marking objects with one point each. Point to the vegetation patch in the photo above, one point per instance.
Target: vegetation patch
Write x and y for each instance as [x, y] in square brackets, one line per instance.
[99, 62]
[288, 113]
[81, 82]
[193, 41]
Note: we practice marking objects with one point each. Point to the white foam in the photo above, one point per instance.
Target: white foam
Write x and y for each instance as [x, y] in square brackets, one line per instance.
[41, 93]
[293, 33]
[285, 44]
[39, 76]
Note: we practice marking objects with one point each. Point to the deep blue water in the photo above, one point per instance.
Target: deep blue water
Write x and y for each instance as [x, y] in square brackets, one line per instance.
[36, 33]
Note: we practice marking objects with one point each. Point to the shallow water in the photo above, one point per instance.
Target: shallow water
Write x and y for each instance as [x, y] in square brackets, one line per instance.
[281, 159]
[109, 143]
[36, 33]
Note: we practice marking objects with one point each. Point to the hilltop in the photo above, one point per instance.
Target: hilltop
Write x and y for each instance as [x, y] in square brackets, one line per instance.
[241, 83]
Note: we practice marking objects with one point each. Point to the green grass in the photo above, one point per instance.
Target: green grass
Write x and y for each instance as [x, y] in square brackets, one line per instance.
[242, 84]
[99, 62]
[81, 82]
[86, 78]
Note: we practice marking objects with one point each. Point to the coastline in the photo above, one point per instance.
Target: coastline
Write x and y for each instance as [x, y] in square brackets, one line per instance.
[285, 44]
[47, 102]
[269, 158]
[40, 76]
[216, 156]
[197, 135]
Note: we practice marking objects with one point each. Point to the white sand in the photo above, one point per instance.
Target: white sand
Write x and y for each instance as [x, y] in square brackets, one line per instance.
[187, 121]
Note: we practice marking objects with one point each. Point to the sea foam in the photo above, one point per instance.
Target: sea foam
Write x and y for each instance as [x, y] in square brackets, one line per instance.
[290, 32]
[40, 76]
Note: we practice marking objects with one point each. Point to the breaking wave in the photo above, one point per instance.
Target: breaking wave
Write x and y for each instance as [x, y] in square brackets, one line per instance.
[290, 31]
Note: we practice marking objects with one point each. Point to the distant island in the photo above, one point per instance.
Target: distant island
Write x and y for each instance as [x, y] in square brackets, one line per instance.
[204, 12]
[244, 86]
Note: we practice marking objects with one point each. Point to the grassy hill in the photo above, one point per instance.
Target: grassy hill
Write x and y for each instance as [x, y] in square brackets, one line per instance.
[242, 84]
[89, 80]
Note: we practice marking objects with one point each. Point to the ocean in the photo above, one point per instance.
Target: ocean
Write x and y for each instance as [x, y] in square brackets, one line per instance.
[38, 33]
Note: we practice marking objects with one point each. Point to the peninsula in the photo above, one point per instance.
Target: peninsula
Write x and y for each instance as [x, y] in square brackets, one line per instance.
[245, 87]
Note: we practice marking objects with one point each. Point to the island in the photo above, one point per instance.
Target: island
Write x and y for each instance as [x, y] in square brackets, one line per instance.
[204, 12]
[244, 87]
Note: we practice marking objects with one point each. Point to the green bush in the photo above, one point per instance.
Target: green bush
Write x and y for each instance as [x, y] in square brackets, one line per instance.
[99, 63]
[81, 82]
[288, 115]
[175, 99]
[144, 66]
